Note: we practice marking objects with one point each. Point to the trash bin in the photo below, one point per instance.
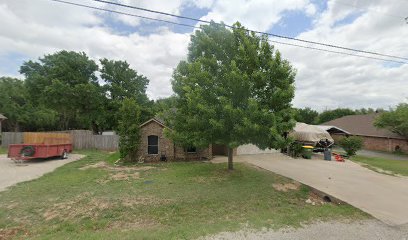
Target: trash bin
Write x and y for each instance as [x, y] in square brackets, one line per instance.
[327, 154]
[307, 152]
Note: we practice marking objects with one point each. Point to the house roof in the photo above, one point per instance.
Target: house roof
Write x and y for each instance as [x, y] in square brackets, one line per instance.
[155, 119]
[332, 129]
[362, 125]
[2, 117]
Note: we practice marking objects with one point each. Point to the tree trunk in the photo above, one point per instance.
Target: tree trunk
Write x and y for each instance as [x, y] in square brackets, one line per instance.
[230, 156]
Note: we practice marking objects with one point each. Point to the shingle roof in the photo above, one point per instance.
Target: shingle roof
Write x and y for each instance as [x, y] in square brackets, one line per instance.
[2, 117]
[157, 120]
[332, 129]
[362, 125]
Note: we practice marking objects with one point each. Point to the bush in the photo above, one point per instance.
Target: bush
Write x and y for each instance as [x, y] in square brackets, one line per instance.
[351, 145]
[128, 129]
[296, 149]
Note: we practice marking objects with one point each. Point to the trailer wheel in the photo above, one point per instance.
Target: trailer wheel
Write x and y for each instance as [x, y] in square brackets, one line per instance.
[64, 155]
[27, 151]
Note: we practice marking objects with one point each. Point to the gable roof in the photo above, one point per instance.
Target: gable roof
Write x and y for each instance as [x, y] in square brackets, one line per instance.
[362, 125]
[157, 120]
[2, 117]
[332, 129]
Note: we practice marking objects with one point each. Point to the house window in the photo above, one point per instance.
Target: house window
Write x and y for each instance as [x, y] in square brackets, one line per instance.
[152, 144]
[191, 149]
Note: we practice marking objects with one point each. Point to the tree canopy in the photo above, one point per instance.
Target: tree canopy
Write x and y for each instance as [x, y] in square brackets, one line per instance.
[121, 82]
[306, 115]
[61, 91]
[233, 89]
[396, 120]
[329, 115]
[22, 114]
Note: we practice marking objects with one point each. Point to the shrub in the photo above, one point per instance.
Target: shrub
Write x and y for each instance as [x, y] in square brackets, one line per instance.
[128, 129]
[351, 145]
[296, 149]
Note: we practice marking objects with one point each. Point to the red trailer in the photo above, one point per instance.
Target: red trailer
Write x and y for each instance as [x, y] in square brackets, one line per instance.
[41, 145]
[31, 151]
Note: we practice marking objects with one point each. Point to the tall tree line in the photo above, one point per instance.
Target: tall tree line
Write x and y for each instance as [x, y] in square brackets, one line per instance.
[62, 91]
[310, 116]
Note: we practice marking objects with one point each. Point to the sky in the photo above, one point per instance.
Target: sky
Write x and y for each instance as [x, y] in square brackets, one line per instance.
[30, 29]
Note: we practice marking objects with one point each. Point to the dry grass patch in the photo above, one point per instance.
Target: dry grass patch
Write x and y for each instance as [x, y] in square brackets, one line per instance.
[118, 173]
[284, 187]
[80, 207]
[106, 166]
[201, 179]
[137, 201]
[133, 224]
[120, 176]
[9, 233]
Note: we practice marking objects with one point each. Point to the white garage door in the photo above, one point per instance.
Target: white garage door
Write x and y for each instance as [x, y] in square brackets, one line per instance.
[252, 149]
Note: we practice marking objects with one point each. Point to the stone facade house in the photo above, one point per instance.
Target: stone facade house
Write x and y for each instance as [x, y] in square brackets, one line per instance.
[373, 138]
[155, 146]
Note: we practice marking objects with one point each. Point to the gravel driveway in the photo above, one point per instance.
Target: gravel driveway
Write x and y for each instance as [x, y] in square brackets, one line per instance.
[362, 230]
[11, 173]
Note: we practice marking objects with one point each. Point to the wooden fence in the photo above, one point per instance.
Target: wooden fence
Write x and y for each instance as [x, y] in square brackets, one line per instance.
[47, 137]
[8, 138]
[81, 139]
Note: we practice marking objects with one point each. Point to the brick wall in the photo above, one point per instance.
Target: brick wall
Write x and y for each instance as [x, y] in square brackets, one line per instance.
[166, 146]
[379, 143]
[181, 154]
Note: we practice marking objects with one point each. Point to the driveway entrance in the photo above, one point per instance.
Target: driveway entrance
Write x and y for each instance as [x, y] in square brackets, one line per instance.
[11, 173]
[382, 196]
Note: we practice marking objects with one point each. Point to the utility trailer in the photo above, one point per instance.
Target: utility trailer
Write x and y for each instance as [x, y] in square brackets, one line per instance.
[19, 152]
[41, 145]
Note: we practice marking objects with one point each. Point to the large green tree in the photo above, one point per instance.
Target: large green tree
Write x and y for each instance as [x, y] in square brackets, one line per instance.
[233, 89]
[329, 115]
[121, 82]
[396, 120]
[306, 115]
[22, 114]
[164, 108]
[66, 82]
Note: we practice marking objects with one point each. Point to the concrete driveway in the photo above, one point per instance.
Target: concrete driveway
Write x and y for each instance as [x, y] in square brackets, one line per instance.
[382, 196]
[378, 154]
[11, 173]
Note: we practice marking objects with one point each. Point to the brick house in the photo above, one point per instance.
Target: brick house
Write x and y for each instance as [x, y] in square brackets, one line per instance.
[155, 146]
[373, 138]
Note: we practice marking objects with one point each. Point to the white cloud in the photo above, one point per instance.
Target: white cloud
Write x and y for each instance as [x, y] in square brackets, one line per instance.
[324, 80]
[255, 14]
[332, 80]
[154, 55]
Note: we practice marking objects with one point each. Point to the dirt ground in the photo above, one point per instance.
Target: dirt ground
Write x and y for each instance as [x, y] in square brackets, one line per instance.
[12, 173]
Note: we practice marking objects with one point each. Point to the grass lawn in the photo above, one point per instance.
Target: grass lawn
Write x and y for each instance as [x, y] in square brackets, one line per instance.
[90, 199]
[394, 166]
[3, 150]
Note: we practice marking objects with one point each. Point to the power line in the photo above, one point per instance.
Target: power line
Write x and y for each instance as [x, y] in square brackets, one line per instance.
[255, 31]
[195, 27]
[122, 13]
[337, 52]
